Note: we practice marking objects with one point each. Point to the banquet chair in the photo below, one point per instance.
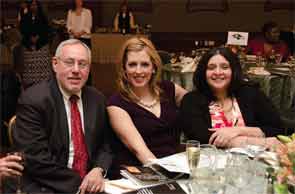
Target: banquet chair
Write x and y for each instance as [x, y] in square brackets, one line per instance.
[11, 127]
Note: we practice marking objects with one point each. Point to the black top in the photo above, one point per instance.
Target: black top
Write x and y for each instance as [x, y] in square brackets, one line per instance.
[124, 22]
[256, 109]
[32, 26]
[156, 132]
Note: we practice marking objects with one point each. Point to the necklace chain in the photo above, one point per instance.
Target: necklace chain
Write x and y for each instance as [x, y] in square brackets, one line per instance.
[150, 105]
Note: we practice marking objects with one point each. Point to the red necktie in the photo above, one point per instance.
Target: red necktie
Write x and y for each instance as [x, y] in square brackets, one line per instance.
[80, 151]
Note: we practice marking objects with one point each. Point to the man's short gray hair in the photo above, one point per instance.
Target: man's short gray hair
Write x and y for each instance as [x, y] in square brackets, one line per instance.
[72, 42]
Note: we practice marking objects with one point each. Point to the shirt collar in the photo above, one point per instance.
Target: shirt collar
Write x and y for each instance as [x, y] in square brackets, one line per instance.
[66, 95]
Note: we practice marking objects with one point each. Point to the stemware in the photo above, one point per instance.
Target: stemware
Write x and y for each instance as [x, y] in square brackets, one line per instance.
[278, 58]
[255, 146]
[193, 155]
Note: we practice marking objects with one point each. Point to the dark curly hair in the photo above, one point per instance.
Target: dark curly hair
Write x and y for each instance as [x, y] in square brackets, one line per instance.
[200, 81]
[267, 27]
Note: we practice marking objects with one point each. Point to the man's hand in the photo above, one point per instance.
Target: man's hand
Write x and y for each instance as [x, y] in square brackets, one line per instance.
[93, 182]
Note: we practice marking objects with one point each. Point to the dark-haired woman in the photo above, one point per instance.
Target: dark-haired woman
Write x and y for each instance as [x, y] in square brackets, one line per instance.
[224, 110]
[34, 26]
[33, 58]
[270, 43]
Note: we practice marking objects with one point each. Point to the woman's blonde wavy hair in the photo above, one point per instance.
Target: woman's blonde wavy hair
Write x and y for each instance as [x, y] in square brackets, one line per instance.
[137, 44]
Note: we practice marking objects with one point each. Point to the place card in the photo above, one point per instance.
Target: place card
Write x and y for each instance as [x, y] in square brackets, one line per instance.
[237, 38]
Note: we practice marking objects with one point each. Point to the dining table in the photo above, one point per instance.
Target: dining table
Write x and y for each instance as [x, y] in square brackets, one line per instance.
[233, 172]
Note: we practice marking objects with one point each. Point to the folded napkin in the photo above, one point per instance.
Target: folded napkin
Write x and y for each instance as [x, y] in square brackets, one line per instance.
[258, 71]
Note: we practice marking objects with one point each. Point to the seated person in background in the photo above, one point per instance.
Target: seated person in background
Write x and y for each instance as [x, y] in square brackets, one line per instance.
[79, 22]
[10, 166]
[32, 58]
[62, 128]
[34, 27]
[22, 10]
[224, 110]
[270, 43]
[144, 112]
[124, 20]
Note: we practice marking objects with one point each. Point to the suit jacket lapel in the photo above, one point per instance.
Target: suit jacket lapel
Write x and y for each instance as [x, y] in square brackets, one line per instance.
[63, 130]
[87, 114]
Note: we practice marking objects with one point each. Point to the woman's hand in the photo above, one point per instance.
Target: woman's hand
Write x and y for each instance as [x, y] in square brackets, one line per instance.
[222, 136]
[272, 143]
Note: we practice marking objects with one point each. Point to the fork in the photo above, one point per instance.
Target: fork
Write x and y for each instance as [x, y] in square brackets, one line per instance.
[145, 191]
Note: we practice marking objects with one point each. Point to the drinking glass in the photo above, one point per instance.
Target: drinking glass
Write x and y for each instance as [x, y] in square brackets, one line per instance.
[237, 172]
[193, 155]
[255, 146]
[18, 178]
[278, 58]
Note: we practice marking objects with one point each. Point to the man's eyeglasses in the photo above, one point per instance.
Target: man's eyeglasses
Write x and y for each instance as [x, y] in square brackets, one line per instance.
[71, 63]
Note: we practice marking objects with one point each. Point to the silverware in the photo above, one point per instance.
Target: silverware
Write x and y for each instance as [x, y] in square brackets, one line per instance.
[145, 191]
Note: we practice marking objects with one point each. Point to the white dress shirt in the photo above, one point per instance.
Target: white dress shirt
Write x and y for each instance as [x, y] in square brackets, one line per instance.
[66, 98]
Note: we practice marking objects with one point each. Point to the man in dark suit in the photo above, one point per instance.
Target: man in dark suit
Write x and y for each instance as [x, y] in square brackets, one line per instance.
[44, 128]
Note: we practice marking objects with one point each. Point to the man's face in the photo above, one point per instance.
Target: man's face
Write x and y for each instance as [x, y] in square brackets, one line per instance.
[273, 35]
[72, 67]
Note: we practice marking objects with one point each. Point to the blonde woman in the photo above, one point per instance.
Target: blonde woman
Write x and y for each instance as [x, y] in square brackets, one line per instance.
[143, 113]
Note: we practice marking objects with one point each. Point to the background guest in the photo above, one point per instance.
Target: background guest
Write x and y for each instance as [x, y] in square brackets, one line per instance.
[124, 20]
[62, 127]
[224, 110]
[79, 22]
[23, 10]
[270, 44]
[32, 58]
[143, 113]
[34, 27]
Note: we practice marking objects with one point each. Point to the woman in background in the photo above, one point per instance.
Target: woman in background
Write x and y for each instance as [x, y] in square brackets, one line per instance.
[34, 26]
[270, 44]
[32, 59]
[79, 22]
[143, 113]
[224, 110]
[124, 20]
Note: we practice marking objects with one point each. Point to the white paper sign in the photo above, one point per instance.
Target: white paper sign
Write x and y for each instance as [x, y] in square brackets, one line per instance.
[237, 38]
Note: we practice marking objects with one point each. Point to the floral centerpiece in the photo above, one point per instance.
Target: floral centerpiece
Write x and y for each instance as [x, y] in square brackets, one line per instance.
[284, 175]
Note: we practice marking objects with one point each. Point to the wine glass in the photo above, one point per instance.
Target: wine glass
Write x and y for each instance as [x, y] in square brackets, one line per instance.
[278, 58]
[19, 177]
[193, 155]
[255, 146]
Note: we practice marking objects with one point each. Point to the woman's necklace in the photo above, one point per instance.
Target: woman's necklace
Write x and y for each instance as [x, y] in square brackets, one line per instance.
[149, 105]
